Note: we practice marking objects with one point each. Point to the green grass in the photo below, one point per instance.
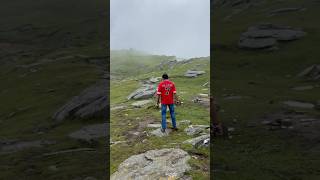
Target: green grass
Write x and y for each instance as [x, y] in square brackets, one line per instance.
[186, 88]
[254, 152]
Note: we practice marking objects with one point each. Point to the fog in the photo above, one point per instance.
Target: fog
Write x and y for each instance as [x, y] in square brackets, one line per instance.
[164, 27]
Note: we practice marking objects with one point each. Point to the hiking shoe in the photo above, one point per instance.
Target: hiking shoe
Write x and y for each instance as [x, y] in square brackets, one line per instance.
[175, 129]
[163, 130]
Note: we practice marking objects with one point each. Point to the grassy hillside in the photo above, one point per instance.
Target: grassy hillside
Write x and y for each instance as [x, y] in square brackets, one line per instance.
[43, 56]
[129, 119]
[266, 78]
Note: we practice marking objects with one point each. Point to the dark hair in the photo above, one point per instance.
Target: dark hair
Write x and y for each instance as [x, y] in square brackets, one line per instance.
[165, 76]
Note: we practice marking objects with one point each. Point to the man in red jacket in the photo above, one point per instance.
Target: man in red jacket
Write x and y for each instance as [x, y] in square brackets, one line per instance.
[167, 93]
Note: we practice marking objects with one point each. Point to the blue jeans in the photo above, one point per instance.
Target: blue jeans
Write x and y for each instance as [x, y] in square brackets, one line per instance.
[164, 113]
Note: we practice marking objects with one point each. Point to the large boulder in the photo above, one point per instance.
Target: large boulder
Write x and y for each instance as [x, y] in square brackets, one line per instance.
[154, 164]
[146, 91]
[92, 102]
[267, 35]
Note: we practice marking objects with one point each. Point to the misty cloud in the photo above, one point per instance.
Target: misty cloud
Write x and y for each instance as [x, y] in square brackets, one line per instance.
[169, 27]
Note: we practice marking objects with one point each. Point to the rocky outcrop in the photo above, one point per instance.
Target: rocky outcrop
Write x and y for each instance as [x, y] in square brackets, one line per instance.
[92, 102]
[267, 36]
[203, 140]
[154, 164]
[146, 91]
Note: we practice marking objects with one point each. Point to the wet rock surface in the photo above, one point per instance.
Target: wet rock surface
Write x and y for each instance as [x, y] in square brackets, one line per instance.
[154, 164]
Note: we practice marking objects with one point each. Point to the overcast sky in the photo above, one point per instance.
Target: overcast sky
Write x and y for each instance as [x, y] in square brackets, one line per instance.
[163, 27]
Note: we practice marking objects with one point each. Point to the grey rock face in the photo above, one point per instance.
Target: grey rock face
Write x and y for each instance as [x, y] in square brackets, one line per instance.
[146, 91]
[198, 140]
[158, 132]
[191, 73]
[195, 129]
[299, 104]
[267, 35]
[90, 132]
[92, 102]
[312, 72]
[154, 164]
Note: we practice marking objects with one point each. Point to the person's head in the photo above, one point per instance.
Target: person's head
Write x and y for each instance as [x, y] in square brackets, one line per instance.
[165, 76]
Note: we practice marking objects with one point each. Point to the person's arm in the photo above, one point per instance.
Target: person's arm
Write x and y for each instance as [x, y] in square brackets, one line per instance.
[175, 96]
[158, 95]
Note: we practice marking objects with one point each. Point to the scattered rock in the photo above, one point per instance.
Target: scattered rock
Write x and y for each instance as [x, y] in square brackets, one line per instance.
[299, 104]
[296, 123]
[154, 125]
[154, 164]
[158, 132]
[141, 103]
[265, 36]
[90, 132]
[118, 108]
[205, 101]
[312, 72]
[302, 88]
[198, 140]
[191, 73]
[92, 102]
[195, 129]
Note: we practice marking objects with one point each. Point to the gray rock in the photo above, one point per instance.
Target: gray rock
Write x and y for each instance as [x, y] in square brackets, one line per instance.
[158, 132]
[146, 91]
[299, 104]
[154, 164]
[202, 101]
[118, 108]
[312, 72]
[302, 88]
[154, 125]
[90, 132]
[92, 102]
[195, 129]
[197, 140]
[191, 73]
[141, 103]
[265, 36]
